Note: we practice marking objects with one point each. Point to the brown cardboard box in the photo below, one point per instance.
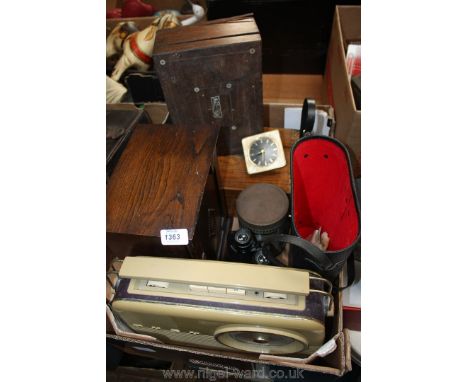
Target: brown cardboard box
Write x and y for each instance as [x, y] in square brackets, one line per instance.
[335, 364]
[346, 28]
[292, 88]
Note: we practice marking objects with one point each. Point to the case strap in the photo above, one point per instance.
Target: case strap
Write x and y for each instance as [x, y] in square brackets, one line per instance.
[320, 258]
[307, 117]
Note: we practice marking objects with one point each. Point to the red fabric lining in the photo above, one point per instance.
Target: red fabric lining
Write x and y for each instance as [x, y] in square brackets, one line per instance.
[322, 193]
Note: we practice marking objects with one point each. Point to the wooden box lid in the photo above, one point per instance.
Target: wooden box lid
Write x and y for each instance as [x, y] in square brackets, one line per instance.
[160, 178]
[207, 34]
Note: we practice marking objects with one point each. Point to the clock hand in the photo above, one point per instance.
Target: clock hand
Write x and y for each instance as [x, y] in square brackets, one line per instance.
[261, 152]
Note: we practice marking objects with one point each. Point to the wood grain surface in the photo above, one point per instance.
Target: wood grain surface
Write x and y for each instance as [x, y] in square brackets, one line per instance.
[204, 31]
[160, 178]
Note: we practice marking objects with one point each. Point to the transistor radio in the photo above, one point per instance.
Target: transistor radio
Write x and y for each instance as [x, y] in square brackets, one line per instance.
[222, 305]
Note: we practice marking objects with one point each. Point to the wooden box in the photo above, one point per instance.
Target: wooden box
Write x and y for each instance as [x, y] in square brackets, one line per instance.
[167, 179]
[211, 73]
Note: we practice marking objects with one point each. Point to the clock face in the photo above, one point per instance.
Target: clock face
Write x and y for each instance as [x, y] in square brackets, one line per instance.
[263, 152]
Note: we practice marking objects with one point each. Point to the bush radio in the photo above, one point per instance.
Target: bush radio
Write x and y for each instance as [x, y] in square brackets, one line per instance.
[222, 305]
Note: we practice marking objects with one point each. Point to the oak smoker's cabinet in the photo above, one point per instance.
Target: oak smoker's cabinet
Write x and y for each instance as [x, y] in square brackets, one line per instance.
[167, 179]
[211, 73]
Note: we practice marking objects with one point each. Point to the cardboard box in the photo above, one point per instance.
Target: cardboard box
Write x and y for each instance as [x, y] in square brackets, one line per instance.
[332, 365]
[337, 363]
[346, 29]
[352, 301]
[293, 88]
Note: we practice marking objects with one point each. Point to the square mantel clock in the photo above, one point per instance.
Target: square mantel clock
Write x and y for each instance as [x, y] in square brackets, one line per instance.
[263, 152]
[163, 198]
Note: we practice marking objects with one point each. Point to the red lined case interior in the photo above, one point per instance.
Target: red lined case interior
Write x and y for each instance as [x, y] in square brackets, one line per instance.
[323, 194]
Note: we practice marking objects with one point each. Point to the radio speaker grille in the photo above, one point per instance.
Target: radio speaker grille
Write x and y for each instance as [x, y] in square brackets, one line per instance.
[250, 339]
[182, 338]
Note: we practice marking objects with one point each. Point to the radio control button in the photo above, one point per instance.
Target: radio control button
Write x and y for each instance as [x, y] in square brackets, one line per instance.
[275, 296]
[157, 284]
[238, 292]
[198, 288]
[216, 290]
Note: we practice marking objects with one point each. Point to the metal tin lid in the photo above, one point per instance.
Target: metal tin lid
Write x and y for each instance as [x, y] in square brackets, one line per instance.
[262, 208]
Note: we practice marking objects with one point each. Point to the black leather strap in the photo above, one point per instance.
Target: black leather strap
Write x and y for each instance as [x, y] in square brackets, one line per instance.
[320, 259]
[307, 117]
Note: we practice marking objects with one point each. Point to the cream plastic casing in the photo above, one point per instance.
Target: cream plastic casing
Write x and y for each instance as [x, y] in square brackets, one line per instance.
[197, 317]
[209, 272]
[253, 168]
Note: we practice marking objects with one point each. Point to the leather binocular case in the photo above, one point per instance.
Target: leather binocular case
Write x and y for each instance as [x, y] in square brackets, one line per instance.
[323, 197]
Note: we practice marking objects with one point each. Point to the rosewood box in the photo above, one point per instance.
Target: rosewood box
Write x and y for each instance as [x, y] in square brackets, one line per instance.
[167, 179]
[211, 73]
